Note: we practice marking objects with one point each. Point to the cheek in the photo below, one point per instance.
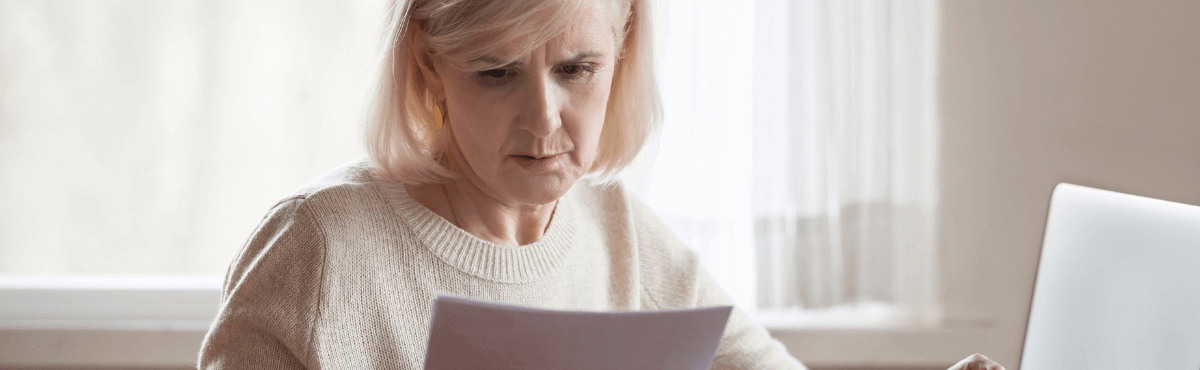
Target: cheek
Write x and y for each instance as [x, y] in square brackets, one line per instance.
[477, 121]
[592, 107]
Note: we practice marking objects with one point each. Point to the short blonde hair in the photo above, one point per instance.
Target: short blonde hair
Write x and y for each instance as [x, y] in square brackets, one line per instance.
[406, 144]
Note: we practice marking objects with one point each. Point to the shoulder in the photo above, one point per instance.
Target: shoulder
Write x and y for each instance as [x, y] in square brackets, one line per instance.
[287, 237]
[271, 289]
[668, 269]
[344, 195]
[274, 286]
[296, 227]
[346, 181]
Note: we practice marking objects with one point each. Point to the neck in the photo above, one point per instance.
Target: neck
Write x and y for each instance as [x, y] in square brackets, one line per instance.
[481, 215]
[495, 221]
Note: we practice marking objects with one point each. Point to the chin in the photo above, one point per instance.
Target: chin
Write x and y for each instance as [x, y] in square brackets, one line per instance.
[542, 189]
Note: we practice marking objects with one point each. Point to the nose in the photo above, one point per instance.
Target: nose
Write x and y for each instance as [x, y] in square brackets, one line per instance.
[540, 115]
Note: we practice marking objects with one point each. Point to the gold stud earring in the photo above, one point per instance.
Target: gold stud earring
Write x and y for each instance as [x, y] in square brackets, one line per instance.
[438, 116]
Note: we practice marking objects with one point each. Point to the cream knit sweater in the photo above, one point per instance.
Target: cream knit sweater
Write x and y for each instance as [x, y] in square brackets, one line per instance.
[342, 275]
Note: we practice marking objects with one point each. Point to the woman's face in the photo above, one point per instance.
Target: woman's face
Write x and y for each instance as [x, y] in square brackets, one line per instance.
[525, 132]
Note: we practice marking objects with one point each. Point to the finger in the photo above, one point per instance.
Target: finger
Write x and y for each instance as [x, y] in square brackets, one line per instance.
[976, 362]
[981, 362]
[991, 366]
[963, 365]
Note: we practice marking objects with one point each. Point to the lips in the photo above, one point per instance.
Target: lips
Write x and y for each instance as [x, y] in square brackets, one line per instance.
[537, 162]
[536, 156]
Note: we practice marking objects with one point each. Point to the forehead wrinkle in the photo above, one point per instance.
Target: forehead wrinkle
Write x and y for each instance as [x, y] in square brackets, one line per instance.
[492, 61]
[587, 36]
[488, 62]
[505, 42]
[580, 56]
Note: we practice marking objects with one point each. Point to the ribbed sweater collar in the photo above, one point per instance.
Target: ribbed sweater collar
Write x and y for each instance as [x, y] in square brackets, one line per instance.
[485, 259]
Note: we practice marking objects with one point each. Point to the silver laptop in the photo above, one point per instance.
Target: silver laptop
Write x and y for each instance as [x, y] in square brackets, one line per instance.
[1118, 284]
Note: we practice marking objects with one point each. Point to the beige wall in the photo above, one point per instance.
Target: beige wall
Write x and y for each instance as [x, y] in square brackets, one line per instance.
[1098, 93]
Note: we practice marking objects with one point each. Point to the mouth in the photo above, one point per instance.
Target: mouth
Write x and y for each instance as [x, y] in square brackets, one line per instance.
[538, 162]
[535, 157]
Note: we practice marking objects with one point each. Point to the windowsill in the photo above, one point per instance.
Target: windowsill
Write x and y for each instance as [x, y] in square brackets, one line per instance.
[916, 347]
[825, 348]
[874, 335]
[160, 322]
[104, 322]
[134, 303]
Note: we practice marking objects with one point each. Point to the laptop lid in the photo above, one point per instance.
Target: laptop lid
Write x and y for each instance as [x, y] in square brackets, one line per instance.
[1118, 284]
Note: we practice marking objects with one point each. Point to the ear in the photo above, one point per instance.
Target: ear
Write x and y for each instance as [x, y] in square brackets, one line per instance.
[419, 48]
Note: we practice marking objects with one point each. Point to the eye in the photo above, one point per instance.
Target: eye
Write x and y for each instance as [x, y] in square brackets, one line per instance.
[495, 77]
[576, 71]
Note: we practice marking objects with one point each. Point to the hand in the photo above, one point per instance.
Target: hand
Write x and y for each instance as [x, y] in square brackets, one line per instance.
[976, 362]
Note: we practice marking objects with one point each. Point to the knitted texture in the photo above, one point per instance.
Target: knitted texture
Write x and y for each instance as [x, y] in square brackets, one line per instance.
[343, 274]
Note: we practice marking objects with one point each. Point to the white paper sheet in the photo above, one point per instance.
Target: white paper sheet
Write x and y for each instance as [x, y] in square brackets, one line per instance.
[469, 334]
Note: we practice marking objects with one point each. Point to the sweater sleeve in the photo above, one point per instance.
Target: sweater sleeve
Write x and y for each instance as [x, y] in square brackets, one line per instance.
[674, 279]
[271, 294]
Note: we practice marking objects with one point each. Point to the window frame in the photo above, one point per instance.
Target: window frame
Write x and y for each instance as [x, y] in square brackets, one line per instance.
[160, 321]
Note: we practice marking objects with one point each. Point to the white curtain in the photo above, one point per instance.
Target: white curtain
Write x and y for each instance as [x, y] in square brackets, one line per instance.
[151, 137]
[845, 154]
[798, 156]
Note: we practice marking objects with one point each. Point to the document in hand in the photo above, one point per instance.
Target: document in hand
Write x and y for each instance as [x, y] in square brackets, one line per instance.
[468, 334]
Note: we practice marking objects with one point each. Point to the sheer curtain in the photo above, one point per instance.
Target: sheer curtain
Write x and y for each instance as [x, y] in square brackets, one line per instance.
[799, 153]
[845, 154]
[151, 137]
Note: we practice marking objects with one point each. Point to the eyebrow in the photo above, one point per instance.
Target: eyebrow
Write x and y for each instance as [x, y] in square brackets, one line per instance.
[496, 61]
[580, 56]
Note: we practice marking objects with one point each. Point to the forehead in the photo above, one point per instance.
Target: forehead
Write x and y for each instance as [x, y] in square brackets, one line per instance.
[591, 31]
[587, 27]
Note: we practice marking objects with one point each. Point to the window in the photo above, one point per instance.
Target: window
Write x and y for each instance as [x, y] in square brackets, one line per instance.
[150, 138]
[798, 156]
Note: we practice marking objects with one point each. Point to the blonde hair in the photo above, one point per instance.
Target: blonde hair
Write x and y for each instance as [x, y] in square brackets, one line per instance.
[403, 139]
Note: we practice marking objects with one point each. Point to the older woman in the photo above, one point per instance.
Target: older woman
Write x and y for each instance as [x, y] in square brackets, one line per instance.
[498, 127]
